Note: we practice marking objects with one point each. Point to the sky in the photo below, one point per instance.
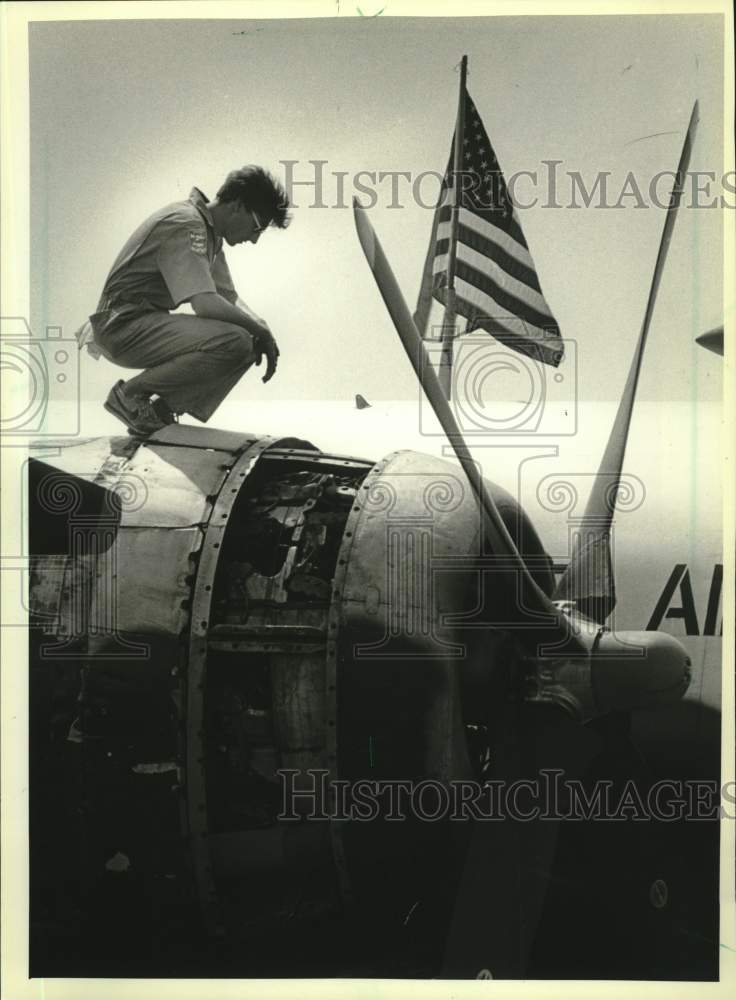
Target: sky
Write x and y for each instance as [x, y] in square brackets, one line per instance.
[128, 115]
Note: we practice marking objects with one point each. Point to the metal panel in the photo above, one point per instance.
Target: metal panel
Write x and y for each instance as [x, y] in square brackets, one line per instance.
[41, 445]
[267, 638]
[334, 633]
[87, 458]
[163, 486]
[299, 715]
[76, 591]
[316, 458]
[183, 435]
[196, 681]
[391, 661]
[266, 646]
[143, 582]
[281, 632]
[413, 515]
[46, 580]
[298, 691]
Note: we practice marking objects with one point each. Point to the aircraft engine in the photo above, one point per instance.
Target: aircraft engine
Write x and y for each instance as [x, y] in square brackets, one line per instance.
[210, 609]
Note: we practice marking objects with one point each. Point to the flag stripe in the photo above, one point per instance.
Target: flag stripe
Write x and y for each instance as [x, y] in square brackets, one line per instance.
[485, 311]
[506, 286]
[507, 281]
[487, 286]
[535, 343]
[519, 289]
[494, 217]
[480, 228]
[490, 247]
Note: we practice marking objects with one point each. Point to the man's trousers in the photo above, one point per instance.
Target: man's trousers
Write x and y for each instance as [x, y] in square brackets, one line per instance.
[191, 362]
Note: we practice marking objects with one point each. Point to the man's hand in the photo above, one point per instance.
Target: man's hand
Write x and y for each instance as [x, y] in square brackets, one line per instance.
[265, 343]
[210, 305]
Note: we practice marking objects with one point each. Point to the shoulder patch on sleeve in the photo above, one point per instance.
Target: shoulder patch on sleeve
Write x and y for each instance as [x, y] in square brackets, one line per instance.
[198, 241]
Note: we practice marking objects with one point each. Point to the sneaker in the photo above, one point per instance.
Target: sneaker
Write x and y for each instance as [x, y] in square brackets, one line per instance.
[163, 412]
[137, 413]
[148, 419]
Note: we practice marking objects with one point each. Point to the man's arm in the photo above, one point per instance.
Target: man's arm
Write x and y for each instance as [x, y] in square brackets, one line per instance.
[223, 279]
[210, 305]
[225, 287]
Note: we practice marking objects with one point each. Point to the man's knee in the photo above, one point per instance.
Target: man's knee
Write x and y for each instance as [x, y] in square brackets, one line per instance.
[241, 347]
[231, 344]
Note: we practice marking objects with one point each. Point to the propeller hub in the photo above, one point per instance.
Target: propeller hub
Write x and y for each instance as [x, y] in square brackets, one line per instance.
[639, 670]
[619, 671]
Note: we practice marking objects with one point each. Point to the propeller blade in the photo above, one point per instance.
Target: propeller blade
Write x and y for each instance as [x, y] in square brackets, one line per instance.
[540, 615]
[507, 868]
[589, 578]
[509, 862]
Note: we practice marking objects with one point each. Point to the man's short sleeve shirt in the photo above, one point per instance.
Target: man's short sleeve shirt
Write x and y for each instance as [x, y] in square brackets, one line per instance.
[172, 256]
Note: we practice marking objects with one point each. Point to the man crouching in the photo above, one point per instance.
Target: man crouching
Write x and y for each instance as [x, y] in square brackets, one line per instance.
[176, 256]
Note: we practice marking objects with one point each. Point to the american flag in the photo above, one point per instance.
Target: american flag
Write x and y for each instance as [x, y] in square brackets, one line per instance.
[496, 284]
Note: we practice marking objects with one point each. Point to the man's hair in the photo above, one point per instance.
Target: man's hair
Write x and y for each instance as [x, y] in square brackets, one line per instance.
[257, 189]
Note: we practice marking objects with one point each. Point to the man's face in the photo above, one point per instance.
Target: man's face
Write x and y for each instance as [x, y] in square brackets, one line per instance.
[242, 225]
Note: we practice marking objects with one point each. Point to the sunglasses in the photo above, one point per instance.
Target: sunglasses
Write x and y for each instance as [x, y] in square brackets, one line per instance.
[259, 225]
